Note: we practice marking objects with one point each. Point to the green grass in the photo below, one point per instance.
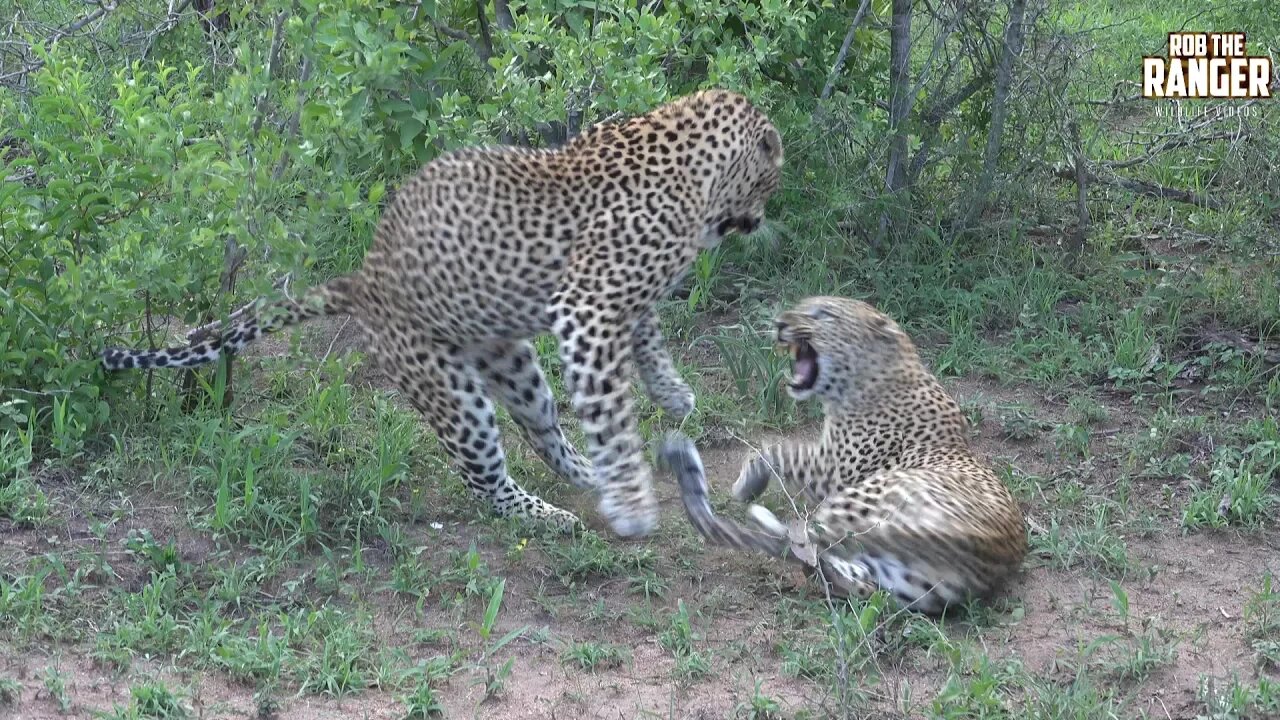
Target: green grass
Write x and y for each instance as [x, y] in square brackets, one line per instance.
[591, 656]
[310, 542]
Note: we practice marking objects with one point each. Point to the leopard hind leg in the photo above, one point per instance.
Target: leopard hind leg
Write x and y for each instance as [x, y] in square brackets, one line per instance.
[513, 375]
[442, 382]
[916, 585]
[863, 574]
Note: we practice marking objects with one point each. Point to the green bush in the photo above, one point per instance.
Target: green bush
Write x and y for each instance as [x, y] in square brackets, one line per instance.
[122, 187]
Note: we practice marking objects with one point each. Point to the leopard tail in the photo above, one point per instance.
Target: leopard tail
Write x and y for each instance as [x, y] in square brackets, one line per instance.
[207, 343]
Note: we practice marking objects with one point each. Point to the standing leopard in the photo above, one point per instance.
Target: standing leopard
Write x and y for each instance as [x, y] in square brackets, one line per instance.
[486, 248]
[902, 502]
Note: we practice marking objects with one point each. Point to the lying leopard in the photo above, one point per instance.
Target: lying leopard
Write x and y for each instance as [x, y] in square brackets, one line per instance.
[903, 504]
[485, 248]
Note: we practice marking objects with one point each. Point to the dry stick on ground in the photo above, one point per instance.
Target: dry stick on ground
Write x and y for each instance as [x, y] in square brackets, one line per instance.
[1104, 173]
[1185, 134]
[1165, 146]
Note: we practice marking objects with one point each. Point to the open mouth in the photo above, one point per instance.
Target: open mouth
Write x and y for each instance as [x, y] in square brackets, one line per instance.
[744, 225]
[804, 365]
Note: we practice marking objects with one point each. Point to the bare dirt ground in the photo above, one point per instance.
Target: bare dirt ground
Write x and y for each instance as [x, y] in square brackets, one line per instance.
[1187, 594]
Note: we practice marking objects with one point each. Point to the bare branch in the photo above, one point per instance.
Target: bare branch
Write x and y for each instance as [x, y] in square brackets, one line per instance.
[1141, 187]
[273, 64]
[502, 9]
[934, 116]
[939, 42]
[294, 124]
[900, 102]
[485, 47]
[450, 32]
[1082, 188]
[103, 10]
[483, 51]
[939, 110]
[844, 50]
[1166, 146]
[172, 17]
[1013, 37]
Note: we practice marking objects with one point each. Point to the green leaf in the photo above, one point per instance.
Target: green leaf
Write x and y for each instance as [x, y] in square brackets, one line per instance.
[491, 613]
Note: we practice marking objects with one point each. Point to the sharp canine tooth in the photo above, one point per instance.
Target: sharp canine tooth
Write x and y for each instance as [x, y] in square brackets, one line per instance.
[795, 351]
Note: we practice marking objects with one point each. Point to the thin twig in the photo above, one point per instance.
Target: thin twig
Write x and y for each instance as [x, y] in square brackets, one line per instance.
[293, 126]
[478, 46]
[1143, 187]
[844, 50]
[485, 47]
[151, 345]
[933, 117]
[273, 62]
[1082, 184]
[1166, 146]
[102, 11]
[335, 340]
[1014, 35]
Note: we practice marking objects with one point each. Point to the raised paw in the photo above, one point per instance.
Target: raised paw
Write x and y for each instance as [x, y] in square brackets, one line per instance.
[752, 480]
[676, 398]
[630, 514]
[767, 521]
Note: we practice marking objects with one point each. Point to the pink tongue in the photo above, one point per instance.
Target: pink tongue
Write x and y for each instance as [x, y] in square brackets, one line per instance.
[804, 370]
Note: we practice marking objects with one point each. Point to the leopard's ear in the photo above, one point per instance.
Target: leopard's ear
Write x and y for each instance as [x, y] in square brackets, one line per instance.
[886, 329]
[770, 145]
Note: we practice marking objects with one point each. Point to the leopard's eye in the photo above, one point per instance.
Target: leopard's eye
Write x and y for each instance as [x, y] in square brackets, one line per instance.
[819, 313]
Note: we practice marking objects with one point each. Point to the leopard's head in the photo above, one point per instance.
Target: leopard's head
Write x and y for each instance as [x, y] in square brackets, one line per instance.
[842, 348]
[745, 148]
